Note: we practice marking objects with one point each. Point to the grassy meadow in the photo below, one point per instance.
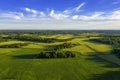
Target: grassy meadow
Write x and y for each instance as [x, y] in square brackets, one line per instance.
[93, 60]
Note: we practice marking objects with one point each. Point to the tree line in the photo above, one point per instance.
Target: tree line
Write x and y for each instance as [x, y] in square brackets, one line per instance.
[54, 51]
[114, 41]
[56, 54]
[116, 51]
[15, 45]
[62, 46]
[108, 40]
[36, 39]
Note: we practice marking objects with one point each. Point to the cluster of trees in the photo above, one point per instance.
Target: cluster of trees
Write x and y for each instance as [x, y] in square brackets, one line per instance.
[54, 51]
[56, 54]
[16, 45]
[35, 38]
[2, 40]
[62, 46]
[31, 38]
[114, 41]
[102, 33]
[108, 40]
[116, 51]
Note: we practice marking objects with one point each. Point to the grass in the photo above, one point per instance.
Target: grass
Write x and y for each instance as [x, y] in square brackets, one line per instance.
[18, 66]
[82, 49]
[88, 47]
[11, 42]
[34, 46]
[22, 64]
[58, 36]
[7, 50]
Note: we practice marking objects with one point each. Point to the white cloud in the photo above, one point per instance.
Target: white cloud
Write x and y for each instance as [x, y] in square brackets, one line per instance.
[58, 16]
[66, 19]
[66, 13]
[12, 15]
[42, 14]
[93, 16]
[115, 15]
[35, 13]
[31, 10]
[75, 9]
[75, 17]
[79, 7]
[99, 16]
[55, 14]
[27, 9]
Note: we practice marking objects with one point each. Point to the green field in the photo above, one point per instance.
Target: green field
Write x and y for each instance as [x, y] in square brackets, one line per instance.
[93, 62]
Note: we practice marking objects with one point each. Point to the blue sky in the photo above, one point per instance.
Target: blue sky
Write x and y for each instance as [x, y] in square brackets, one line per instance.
[60, 14]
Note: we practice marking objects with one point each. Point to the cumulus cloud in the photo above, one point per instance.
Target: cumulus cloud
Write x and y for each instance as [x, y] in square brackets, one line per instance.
[93, 16]
[63, 15]
[42, 14]
[115, 15]
[75, 17]
[58, 16]
[66, 13]
[35, 13]
[98, 16]
[12, 15]
[31, 10]
[70, 18]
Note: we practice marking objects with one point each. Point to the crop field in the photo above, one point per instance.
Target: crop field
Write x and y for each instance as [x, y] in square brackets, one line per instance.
[20, 57]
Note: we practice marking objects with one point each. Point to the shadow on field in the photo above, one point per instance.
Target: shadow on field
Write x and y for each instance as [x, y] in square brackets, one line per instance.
[111, 75]
[26, 56]
[106, 63]
[95, 42]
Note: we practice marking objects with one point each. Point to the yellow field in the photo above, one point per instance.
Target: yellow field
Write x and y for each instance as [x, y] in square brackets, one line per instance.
[86, 47]
[11, 42]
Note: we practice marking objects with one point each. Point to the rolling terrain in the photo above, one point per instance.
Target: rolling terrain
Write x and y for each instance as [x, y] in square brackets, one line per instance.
[93, 60]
